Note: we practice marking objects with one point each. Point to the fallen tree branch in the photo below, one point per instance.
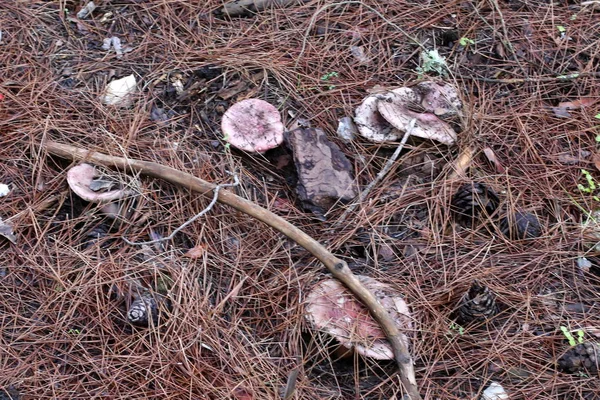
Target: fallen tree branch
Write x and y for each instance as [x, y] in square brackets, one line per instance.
[338, 268]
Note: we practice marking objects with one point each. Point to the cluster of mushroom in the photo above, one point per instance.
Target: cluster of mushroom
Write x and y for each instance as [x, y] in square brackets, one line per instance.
[385, 115]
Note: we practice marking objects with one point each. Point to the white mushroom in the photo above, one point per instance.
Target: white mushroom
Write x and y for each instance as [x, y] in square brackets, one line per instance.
[252, 125]
[331, 308]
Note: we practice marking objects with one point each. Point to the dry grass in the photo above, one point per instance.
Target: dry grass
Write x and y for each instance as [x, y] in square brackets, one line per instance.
[236, 329]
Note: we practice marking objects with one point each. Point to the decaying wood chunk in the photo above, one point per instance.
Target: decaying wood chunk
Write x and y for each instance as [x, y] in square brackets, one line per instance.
[324, 172]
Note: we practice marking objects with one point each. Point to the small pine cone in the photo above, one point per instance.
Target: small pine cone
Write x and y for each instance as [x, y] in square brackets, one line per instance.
[477, 305]
[583, 356]
[143, 306]
[521, 225]
[473, 200]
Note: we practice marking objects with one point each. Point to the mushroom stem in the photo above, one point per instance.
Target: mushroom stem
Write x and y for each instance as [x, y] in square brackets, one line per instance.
[336, 266]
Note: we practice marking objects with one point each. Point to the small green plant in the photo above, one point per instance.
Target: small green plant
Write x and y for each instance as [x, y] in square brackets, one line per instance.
[455, 328]
[328, 76]
[561, 29]
[74, 332]
[591, 186]
[570, 337]
[465, 41]
[431, 61]
[597, 116]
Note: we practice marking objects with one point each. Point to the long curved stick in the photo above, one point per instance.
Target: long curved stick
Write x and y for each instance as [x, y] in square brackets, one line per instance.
[337, 267]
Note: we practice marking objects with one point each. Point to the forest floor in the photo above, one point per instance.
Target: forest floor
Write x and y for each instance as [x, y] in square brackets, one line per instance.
[235, 327]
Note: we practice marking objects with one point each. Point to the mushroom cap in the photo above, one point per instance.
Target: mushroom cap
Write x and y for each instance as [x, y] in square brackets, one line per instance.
[252, 125]
[371, 124]
[441, 99]
[331, 308]
[396, 109]
[81, 176]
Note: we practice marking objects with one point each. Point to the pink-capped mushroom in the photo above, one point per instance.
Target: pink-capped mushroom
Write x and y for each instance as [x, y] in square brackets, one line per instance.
[253, 125]
[82, 180]
[332, 309]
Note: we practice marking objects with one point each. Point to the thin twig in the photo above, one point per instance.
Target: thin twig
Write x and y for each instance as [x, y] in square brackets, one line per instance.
[568, 77]
[212, 203]
[388, 165]
[338, 268]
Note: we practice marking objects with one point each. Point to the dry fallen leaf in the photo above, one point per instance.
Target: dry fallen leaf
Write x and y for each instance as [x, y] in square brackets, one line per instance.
[196, 251]
[562, 110]
[7, 232]
[491, 156]
[596, 160]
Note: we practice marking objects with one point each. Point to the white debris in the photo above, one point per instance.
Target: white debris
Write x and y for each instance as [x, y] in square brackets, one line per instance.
[120, 92]
[347, 129]
[4, 190]
[494, 392]
[115, 43]
[86, 10]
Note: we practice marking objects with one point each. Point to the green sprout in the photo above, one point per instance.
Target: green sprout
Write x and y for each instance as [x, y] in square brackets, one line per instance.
[597, 138]
[74, 332]
[561, 29]
[328, 76]
[431, 61]
[597, 116]
[465, 41]
[591, 184]
[454, 327]
[570, 337]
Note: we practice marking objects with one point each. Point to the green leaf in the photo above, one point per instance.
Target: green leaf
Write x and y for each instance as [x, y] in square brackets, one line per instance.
[464, 41]
[561, 28]
[580, 334]
[597, 116]
[329, 75]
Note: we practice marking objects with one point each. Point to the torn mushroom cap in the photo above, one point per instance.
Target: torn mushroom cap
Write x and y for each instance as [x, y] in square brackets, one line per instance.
[331, 308]
[371, 124]
[252, 125]
[397, 108]
[386, 115]
[81, 176]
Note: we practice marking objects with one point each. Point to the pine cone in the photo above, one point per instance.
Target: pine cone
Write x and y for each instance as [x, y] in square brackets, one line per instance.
[473, 200]
[477, 305]
[521, 225]
[143, 307]
[583, 356]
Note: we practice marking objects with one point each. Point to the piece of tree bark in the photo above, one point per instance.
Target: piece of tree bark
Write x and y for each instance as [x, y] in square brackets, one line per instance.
[338, 268]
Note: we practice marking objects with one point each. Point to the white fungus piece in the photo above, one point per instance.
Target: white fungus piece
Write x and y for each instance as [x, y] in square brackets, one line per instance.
[252, 125]
[494, 392]
[331, 308]
[4, 189]
[120, 92]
